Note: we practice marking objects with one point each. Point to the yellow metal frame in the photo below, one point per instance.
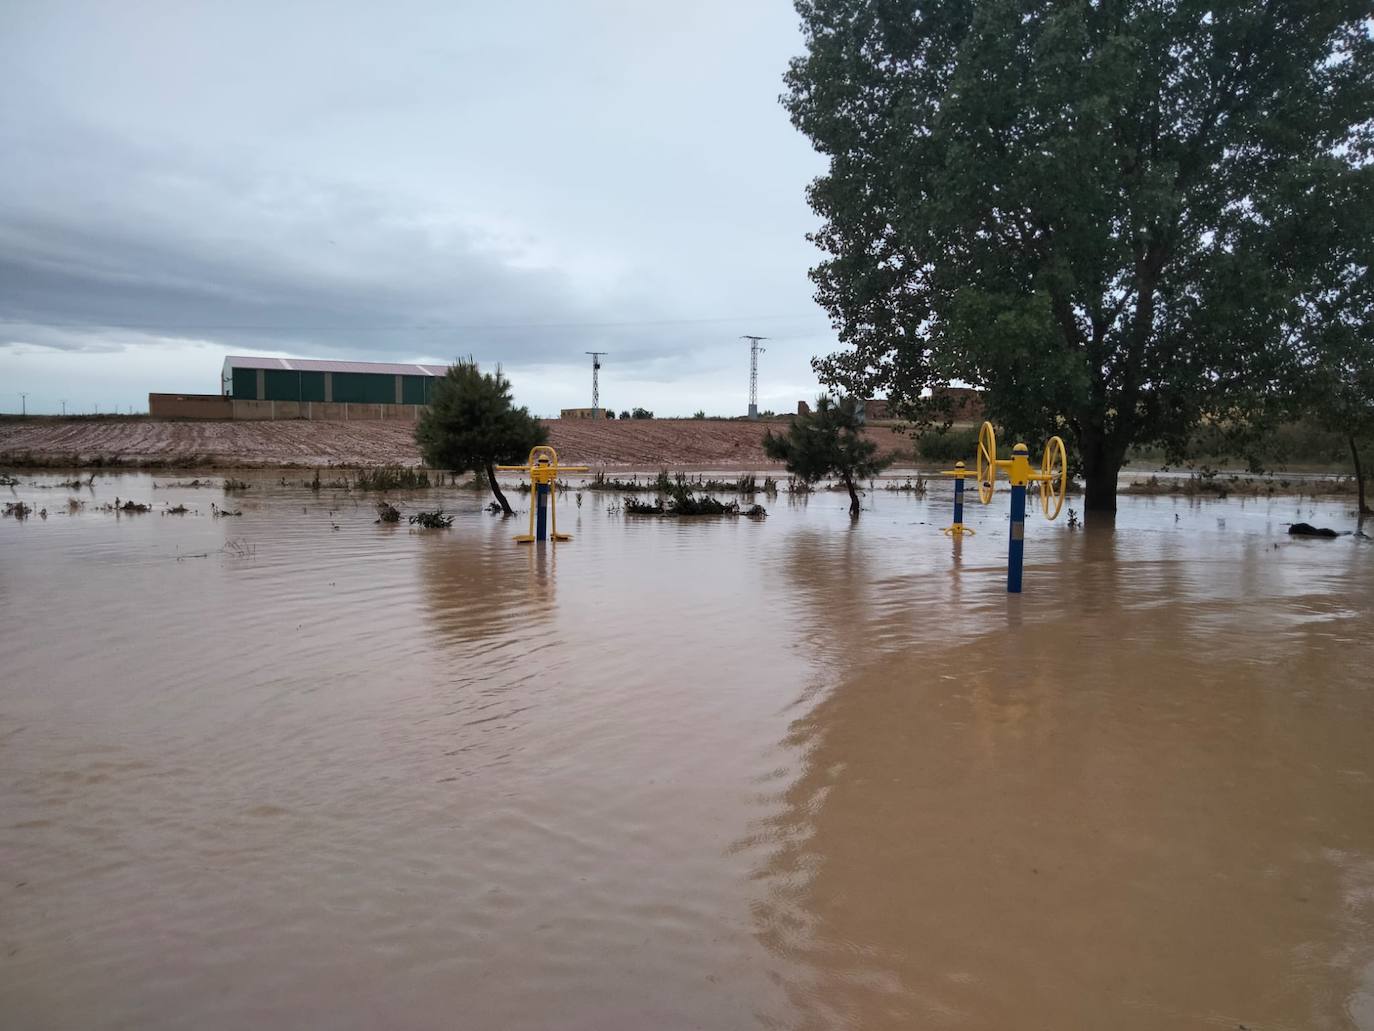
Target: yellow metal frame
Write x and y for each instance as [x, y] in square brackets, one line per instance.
[986, 462]
[1054, 482]
[1052, 476]
[542, 468]
[959, 472]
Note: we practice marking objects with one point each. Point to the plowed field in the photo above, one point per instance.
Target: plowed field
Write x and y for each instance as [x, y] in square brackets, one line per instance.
[134, 442]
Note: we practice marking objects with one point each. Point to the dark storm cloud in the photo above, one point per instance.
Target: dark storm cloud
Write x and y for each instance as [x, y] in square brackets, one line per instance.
[302, 268]
[429, 180]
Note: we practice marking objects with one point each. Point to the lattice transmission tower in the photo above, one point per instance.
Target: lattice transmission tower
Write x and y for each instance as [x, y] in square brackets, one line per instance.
[596, 377]
[754, 351]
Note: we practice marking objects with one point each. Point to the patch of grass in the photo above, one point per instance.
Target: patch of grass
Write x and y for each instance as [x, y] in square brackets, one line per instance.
[232, 485]
[917, 485]
[176, 510]
[391, 477]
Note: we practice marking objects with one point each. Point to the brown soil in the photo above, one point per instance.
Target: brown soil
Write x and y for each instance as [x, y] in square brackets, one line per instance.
[154, 443]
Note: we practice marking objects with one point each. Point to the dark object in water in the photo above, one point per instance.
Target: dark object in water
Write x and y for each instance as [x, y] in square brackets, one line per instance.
[1308, 530]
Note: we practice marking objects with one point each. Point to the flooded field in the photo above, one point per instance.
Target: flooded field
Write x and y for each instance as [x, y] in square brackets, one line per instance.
[293, 768]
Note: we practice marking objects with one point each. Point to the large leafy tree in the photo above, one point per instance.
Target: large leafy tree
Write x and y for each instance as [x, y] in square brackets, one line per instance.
[1118, 217]
[828, 441]
[472, 425]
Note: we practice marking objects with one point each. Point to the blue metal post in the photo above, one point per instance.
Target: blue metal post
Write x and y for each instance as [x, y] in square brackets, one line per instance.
[1017, 546]
[959, 501]
[541, 525]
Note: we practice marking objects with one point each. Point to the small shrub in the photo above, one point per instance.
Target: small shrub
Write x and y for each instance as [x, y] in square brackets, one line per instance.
[433, 520]
[387, 513]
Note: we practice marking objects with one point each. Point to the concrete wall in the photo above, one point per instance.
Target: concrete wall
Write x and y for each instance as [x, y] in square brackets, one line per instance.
[329, 411]
[189, 406]
[213, 406]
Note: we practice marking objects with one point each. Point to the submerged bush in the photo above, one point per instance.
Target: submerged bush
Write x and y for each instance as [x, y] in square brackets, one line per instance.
[432, 520]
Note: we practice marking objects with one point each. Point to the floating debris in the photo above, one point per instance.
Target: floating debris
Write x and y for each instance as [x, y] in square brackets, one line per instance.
[388, 513]
[1308, 530]
[218, 512]
[18, 509]
[176, 510]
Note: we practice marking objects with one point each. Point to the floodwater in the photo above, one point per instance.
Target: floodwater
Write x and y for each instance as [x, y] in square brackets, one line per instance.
[259, 772]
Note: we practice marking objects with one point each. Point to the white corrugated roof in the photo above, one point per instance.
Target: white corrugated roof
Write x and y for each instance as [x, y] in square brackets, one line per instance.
[237, 361]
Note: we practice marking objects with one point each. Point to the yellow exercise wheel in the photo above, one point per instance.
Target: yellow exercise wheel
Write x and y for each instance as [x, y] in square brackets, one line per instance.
[987, 462]
[1054, 477]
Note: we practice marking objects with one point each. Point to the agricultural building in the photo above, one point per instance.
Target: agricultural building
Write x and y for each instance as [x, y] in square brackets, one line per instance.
[328, 382]
[307, 388]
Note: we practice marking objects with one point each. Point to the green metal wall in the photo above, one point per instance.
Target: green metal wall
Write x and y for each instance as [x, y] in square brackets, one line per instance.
[281, 385]
[245, 384]
[415, 389]
[364, 388]
[312, 386]
[350, 387]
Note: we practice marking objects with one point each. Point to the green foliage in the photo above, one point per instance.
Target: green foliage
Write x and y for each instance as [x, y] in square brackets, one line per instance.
[1117, 218]
[828, 441]
[472, 425]
[624, 415]
[432, 520]
[700, 413]
[472, 422]
[948, 445]
[639, 413]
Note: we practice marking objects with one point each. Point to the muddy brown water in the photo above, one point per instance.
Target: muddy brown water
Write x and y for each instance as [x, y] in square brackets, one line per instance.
[259, 772]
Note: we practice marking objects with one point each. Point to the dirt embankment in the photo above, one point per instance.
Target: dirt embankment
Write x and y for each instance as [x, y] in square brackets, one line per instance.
[648, 443]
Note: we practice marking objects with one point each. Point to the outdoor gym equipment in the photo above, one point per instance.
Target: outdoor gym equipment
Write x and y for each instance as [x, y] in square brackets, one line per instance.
[543, 469]
[958, 529]
[1053, 478]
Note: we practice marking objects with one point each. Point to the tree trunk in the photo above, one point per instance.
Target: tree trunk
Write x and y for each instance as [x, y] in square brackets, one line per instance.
[1359, 477]
[853, 498]
[1101, 467]
[496, 490]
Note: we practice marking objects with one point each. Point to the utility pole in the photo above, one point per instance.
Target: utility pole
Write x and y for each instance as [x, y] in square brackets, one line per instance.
[64, 409]
[596, 377]
[754, 351]
[23, 403]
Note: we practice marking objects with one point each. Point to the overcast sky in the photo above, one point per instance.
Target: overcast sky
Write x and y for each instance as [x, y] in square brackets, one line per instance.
[404, 181]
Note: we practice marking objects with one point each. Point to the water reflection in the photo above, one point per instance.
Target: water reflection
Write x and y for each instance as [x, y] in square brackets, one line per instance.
[1103, 813]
